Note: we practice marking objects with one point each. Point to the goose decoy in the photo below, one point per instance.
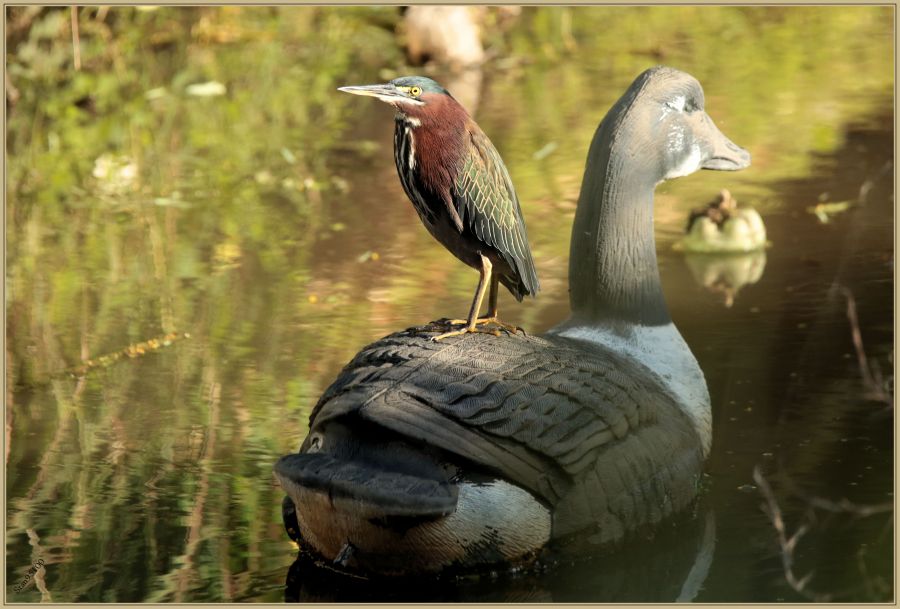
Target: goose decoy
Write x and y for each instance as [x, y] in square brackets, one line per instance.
[427, 457]
[461, 190]
[723, 227]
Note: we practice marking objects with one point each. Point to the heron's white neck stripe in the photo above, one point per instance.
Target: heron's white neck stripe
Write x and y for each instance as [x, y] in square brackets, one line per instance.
[412, 147]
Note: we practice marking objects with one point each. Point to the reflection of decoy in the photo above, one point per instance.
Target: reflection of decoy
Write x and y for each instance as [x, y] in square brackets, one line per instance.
[461, 190]
[722, 227]
[425, 456]
[670, 566]
[726, 275]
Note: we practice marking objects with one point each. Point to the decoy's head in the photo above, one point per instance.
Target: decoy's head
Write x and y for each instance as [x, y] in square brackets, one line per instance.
[415, 96]
[661, 119]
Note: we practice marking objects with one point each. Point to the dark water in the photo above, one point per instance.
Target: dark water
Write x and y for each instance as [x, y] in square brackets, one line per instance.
[269, 225]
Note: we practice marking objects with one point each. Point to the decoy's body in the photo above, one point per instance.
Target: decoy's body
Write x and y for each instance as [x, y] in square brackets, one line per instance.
[460, 188]
[479, 450]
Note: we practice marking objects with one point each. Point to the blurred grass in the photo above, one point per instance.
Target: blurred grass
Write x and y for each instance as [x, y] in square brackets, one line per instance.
[136, 208]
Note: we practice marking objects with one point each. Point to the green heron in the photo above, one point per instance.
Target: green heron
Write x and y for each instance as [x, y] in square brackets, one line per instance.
[461, 190]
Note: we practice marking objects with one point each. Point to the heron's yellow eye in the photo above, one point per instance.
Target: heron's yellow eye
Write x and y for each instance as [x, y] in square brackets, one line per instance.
[415, 91]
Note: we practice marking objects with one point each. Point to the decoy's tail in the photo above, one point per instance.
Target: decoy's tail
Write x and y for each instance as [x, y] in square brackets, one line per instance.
[365, 488]
[369, 499]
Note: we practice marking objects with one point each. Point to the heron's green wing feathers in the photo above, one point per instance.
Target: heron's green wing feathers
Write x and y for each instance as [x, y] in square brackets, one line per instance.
[487, 202]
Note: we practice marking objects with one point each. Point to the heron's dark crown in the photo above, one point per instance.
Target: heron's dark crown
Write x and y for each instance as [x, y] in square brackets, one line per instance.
[426, 84]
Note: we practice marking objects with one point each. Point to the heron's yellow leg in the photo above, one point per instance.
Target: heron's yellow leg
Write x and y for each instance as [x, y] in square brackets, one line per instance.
[471, 324]
[493, 316]
[492, 306]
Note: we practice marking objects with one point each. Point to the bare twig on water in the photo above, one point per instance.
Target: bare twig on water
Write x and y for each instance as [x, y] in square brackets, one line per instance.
[131, 351]
[76, 40]
[870, 183]
[845, 506]
[842, 506]
[875, 585]
[873, 381]
[787, 543]
[38, 552]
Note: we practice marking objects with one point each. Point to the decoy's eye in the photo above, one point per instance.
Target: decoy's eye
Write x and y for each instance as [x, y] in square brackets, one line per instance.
[415, 91]
[677, 103]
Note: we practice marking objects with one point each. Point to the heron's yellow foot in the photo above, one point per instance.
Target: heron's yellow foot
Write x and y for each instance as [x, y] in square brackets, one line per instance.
[496, 321]
[466, 330]
[444, 323]
[489, 320]
[440, 324]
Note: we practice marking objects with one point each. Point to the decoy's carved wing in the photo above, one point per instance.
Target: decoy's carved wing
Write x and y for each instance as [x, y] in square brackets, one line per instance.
[486, 200]
[542, 413]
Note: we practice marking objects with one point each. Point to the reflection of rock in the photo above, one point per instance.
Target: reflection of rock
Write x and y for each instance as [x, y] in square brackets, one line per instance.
[447, 35]
[450, 36]
[726, 274]
[465, 86]
[722, 227]
[448, 39]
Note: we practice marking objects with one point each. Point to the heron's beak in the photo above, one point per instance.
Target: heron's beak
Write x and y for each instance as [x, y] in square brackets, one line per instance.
[387, 93]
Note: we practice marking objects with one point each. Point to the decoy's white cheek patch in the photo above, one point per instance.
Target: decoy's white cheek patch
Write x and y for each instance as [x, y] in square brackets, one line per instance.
[688, 165]
[676, 140]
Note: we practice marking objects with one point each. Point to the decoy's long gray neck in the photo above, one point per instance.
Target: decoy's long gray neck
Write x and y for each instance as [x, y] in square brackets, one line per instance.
[613, 272]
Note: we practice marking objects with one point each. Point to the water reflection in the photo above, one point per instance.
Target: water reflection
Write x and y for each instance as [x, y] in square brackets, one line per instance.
[104, 473]
[725, 275]
[465, 86]
[670, 565]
